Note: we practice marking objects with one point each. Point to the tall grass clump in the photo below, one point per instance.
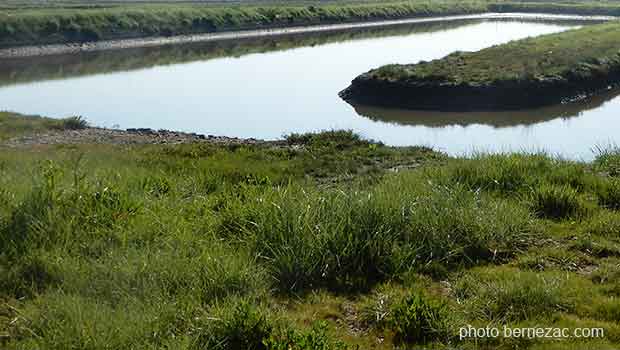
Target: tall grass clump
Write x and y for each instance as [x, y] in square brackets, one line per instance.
[310, 238]
[317, 337]
[242, 326]
[56, 214]
[608, 160]
[353, 239]
[558, 202]
[509, 295]
[497, 173]
[513, 175]
[452, 224]
[334, 138]
[66, 321]
[609, 193]
[419, 318]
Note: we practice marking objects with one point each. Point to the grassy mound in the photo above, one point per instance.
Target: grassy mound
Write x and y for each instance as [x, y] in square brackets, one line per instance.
[524, 73]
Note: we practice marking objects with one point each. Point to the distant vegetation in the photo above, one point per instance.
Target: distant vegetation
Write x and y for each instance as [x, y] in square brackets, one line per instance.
[12, 125]
[24, 23]
[314, 243]
[55, 25]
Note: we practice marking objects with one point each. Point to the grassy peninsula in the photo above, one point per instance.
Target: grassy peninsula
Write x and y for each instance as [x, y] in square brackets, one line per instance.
[531, 72]
[319, 241]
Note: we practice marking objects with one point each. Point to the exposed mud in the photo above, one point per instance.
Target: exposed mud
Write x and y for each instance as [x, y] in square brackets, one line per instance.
[501, 95]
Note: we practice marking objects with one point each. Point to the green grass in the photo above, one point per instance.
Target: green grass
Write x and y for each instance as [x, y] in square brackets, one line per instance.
[56, 25]
[28, 23]
[584, 52]
[15, 125]
[269, 247]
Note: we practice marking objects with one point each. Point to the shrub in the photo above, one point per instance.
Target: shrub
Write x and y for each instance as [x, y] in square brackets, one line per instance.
[419, 319]
[557, 202]
[74, 123]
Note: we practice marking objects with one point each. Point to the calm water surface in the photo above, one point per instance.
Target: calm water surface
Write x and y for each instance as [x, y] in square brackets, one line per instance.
[270, 87]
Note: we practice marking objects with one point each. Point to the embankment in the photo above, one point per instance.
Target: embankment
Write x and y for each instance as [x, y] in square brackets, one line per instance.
[78, 24]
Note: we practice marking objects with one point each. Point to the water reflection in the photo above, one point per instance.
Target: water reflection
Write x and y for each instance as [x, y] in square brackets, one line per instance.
[266, 88]
[25, 70]
[497, 119]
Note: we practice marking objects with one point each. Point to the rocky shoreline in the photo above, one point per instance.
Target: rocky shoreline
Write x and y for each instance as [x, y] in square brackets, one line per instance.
[140, 136]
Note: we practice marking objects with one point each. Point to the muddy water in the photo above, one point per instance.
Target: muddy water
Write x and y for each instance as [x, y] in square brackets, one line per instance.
[268, 87]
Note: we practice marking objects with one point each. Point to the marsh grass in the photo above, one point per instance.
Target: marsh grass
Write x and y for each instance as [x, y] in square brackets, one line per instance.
[504, 295]
[181, 246]
[545, 57]
[349, 241]
[608, 160]
[558, 202]
[420, 318]
[609, 194]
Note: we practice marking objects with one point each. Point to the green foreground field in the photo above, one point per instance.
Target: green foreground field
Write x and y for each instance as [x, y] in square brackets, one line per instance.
[323, 241]
[58, 22]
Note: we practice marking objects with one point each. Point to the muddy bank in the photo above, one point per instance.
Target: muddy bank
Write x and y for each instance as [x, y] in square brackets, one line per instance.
[495, 119]
[503, 95]
[81, 47]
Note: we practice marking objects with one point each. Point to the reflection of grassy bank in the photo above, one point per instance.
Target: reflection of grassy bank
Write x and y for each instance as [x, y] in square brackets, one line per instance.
[14, 71]
[23, 70]
[498, 119]
[237, 246]
[525, 73]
